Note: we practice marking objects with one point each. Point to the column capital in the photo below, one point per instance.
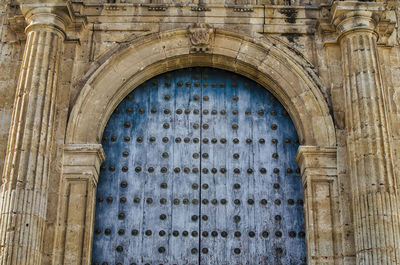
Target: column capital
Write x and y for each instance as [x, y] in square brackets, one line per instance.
[53, 16]
[355, 16]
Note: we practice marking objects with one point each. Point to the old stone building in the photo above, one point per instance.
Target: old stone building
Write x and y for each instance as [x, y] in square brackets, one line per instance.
[199, 132]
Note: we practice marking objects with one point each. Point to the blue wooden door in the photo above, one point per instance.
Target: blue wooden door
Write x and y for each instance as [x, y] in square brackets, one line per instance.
[200, 169]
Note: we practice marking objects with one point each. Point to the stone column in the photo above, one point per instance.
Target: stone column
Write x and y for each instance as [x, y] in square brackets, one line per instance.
[24, 187]
[374, 186]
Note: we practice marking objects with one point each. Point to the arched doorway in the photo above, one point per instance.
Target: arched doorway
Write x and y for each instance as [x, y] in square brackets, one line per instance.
[200, 169]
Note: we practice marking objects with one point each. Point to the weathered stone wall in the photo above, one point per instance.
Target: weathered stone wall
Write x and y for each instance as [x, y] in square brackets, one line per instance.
[11, 50]
[100, 33]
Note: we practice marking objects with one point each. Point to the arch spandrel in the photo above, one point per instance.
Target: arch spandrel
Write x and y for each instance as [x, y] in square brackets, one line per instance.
[289, 77]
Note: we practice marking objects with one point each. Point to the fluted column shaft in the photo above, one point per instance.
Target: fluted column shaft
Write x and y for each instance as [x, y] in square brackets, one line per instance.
[24, 186]
[374, 186]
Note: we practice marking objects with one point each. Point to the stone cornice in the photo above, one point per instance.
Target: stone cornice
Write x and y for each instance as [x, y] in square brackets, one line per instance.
[315, 160]
[270, 19]
[82, 159]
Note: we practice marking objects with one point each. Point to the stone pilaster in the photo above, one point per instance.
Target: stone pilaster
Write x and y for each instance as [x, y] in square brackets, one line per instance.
[374, 187]
[320, 186]
[24, 186]
[74, 235]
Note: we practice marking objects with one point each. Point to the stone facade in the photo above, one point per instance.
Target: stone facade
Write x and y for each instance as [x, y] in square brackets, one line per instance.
[65, 66]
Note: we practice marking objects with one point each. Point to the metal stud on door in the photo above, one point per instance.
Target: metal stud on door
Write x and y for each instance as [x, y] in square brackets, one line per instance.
[200, 170]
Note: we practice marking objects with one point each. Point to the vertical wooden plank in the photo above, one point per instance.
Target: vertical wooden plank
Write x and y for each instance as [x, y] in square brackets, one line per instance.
[293, 211]
[129, 215]
[246, 164]
[157, 181]
[184, 234]
[263, 192]
[107, 194]
[216, 166]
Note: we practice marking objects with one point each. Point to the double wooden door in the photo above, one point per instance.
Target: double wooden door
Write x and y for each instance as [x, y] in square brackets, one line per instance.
[200, 169]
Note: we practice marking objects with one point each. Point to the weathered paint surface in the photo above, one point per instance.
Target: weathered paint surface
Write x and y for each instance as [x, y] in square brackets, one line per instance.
[200, 169]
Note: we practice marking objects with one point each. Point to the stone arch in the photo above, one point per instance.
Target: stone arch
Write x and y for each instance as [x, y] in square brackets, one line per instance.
[268, 61]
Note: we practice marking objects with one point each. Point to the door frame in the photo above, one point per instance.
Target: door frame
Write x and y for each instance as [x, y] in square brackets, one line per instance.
[271, 63]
